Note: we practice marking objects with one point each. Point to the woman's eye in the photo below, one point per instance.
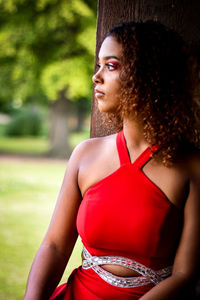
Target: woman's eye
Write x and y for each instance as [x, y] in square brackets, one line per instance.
[112, 66]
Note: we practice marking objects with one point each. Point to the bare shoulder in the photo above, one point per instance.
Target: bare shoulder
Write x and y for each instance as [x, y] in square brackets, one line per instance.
[90, 152]
[97, 158]
[94, 147]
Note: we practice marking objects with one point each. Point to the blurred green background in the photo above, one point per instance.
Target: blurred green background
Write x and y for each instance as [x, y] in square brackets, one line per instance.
[46, 64]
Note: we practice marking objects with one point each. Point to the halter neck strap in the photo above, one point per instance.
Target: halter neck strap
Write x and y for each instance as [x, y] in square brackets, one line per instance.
[124, 155]
[122, 149]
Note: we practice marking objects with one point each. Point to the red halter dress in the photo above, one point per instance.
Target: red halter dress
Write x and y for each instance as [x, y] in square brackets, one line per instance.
[125, 214]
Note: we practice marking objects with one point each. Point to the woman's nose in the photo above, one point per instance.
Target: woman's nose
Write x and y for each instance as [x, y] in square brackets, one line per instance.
[97, 77]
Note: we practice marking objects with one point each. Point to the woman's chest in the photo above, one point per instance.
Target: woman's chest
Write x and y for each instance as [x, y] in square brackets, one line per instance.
[127, 211]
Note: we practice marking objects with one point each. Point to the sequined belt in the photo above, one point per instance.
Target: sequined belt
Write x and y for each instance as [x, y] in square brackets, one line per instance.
[148, 275]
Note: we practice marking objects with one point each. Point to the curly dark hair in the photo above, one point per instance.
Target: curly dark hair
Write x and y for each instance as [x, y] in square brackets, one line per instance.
[158, 81]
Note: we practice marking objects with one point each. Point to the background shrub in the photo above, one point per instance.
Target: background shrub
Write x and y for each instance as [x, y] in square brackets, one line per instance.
[27, 122]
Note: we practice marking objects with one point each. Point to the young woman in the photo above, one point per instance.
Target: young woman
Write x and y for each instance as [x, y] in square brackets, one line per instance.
[134, 196]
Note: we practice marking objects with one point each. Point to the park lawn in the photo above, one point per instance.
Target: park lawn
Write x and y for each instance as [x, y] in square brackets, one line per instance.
[36, 145]
[28, 193]
[24, 145]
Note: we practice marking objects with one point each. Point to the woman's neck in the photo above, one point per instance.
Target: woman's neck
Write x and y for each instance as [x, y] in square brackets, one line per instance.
[133, 132]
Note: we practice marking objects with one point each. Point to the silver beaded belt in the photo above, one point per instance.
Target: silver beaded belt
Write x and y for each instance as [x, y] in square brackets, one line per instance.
[148, 275]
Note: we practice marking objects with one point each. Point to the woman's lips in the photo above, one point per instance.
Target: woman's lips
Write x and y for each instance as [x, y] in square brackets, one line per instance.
[99, 93]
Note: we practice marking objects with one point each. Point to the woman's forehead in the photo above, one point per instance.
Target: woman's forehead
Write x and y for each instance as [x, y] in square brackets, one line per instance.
[110, 48]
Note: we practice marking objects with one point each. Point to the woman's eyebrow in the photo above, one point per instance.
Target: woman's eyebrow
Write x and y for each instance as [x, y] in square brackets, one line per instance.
[109, 57]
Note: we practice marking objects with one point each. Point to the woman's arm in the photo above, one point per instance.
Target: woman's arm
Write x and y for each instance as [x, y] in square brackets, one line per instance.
[187, 259]
[56, 248]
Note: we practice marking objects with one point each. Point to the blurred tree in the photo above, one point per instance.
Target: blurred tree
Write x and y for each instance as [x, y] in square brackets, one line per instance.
[82, 107]
[46, 54]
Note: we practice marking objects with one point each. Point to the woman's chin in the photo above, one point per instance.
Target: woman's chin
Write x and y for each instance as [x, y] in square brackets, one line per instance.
[103, 108]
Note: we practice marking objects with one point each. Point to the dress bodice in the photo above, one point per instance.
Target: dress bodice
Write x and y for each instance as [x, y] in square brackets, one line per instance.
[126, 214]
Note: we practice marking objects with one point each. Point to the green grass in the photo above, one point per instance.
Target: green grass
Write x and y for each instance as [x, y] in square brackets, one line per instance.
[24, 145]
[35, 145]
[28, 193]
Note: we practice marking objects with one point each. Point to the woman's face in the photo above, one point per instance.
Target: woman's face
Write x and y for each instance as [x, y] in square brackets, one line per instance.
[107, 78]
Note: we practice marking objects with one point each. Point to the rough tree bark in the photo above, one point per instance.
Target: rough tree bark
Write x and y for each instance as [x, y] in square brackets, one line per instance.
[181, 15]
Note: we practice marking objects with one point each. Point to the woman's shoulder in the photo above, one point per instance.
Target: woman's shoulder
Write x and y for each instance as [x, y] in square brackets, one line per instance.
[97, 141]
[94, 147]
[97, 157]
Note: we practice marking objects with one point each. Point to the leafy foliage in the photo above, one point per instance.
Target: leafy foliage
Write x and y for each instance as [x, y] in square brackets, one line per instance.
[27, 122]
[46, 46]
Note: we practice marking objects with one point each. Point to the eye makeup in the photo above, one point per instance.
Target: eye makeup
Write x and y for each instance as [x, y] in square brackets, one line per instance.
[109, 64]
[113, 65]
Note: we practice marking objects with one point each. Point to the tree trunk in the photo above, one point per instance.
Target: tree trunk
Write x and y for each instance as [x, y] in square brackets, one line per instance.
[59, 132]
[82, 107]
[80, 120]
[181, 15]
